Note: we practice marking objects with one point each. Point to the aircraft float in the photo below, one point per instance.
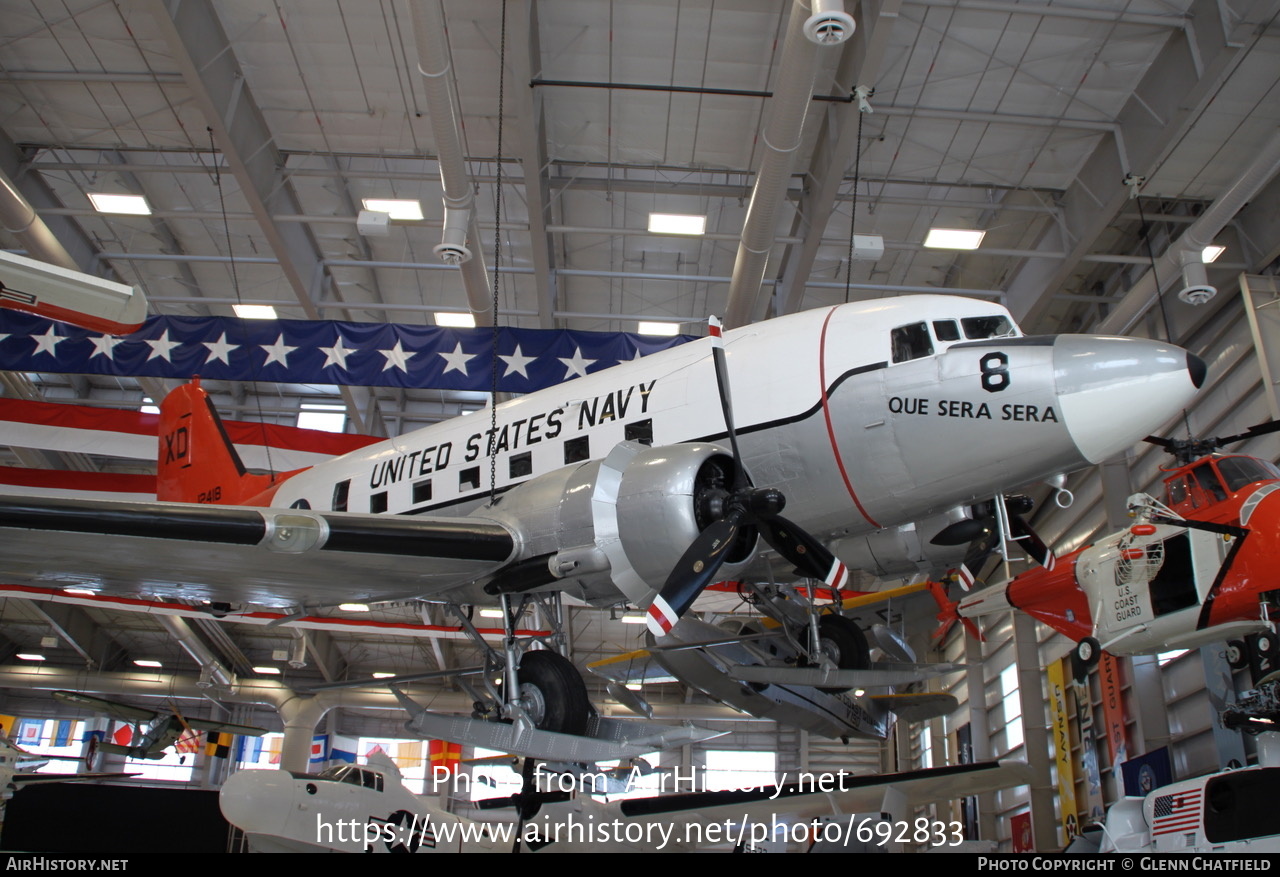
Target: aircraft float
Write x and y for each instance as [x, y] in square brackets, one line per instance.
[874, 423]
[1195, 568]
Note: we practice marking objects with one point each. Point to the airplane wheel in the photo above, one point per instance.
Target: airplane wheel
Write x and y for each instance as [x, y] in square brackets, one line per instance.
[553, 692]
[1088, 650]
[1237, 654]
[841, 640]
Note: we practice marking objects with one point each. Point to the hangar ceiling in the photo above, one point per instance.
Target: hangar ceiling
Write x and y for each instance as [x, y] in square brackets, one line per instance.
[256, 129]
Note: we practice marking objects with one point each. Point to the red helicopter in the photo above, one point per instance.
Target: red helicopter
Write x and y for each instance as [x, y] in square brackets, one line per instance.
[1197, 568]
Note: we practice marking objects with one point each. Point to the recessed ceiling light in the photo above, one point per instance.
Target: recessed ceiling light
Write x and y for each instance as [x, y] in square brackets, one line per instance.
[134, 205]
[255, 312]
[1211, 253]
[146, 662]
[677, 223]
[267, 671]
[454, 320]
[397, 208]
[29, 656]
[953, 239]
[353, 607]
[653, 327]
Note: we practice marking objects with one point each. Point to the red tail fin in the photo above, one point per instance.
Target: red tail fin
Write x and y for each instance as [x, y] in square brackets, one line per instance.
[949, 616]
[197, 462]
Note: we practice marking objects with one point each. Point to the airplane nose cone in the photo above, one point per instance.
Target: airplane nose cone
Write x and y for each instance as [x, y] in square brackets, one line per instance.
[1114, 391]
[257, 801]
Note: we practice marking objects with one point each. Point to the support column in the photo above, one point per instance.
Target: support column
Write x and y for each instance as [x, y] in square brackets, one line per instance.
[1035, 732]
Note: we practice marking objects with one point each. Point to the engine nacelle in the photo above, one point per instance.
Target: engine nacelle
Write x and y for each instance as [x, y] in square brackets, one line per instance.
[623, 522]
[904, 550]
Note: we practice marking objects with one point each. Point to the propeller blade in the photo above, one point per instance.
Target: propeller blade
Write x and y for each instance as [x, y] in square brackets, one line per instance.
[1033, 545]
[963, 531]
[726, 405]
[809, 556]
[695, 570]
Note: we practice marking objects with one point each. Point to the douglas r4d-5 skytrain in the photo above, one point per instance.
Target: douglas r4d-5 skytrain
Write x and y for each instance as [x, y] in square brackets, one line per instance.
[875, 423]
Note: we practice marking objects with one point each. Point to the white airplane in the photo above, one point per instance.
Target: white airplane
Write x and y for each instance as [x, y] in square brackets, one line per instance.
[368, 809]
[18, 769]
[877, 423]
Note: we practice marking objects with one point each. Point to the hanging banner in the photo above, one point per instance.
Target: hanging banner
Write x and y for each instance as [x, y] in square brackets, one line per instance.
[1113, 708]
[1057, 673]
[1095, 808]
[321, 352]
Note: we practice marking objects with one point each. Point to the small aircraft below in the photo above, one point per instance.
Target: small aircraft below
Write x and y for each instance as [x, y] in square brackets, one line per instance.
[367, 809]
[873, 423]
[161, 731]
[1194, 569]
[18, 769]
[772, 667]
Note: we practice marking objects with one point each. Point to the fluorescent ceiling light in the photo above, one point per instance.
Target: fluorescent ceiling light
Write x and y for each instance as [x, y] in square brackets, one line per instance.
[490, 613]
[677, 223]
[267, 671]
[326, 418]
[1211, 253]
[381, 675]
[454, 320]
[353, 607]
[146, 662]
[397, 208]
[80, 592]
[653, 327]
[134, 205]
[149, 406]
[29, 656]
[634, 686]
[633, 618]
[255, 312]
[953, 239]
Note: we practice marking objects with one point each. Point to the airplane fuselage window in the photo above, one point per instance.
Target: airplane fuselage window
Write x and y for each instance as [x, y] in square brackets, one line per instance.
[469, 478]
[378, 502]
[946, 330]
[521, 465]
[641, 431]
[577, 449]
[911, 342]
[977, 328]
[422, 491]
[341, 491]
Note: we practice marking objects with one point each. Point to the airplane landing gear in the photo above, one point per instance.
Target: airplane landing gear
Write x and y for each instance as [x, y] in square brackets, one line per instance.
[552, 693]
[843, 642]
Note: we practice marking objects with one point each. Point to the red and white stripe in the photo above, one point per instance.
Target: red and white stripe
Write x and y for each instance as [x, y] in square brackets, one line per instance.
[661, 617]
[964, 577]
[837, 576]
[714, 328]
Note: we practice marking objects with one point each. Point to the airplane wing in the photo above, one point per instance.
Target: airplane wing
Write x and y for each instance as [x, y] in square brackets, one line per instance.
[19, 780]
[120, 711]
[631, 667]
[228, 727]
[272, 557]
[851, 794]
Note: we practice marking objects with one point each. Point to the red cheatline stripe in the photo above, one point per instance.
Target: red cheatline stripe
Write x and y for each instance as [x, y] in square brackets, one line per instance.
[826, 413]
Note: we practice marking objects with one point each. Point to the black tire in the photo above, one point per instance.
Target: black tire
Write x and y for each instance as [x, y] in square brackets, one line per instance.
[1088, 651]
[1237, 654]
[844, 643]
[557, 692]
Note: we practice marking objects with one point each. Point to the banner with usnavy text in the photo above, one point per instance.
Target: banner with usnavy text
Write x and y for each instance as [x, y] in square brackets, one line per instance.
[320, 352]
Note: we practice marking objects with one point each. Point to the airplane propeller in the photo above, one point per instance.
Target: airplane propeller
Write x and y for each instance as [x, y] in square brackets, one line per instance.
[982, 532]
[1187, 451]
[735, 509]
[528, 801]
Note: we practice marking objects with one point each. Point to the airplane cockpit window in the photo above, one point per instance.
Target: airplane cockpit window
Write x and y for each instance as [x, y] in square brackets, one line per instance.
[1209, 482]
[1241, 471]
[1240, 805]
[911, 342]
[987, 327]
[946, 330]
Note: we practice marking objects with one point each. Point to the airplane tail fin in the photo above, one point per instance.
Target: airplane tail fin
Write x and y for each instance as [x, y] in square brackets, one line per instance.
[197, 461]
[948, 616]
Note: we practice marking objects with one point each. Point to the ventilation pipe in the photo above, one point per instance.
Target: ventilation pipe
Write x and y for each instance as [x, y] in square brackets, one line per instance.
[1198, 235]
[825, 23]
[195, 647]
[459, 193]
[20, 219]
[1196, 289]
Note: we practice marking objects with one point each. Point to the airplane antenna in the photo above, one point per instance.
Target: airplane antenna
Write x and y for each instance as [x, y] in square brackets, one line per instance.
[235, 286]
[497, 260]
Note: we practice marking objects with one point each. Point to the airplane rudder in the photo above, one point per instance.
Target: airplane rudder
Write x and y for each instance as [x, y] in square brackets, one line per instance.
[196, 461]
